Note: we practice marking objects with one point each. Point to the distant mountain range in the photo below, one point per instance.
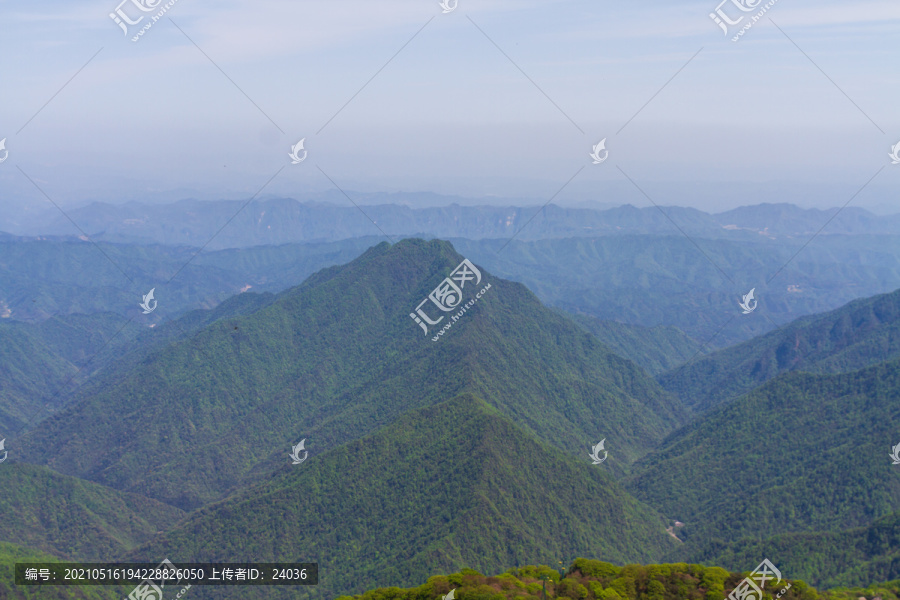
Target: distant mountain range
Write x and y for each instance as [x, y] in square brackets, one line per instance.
[41, 277]
[645, 280]
[696, 284]
[284, 220]
[430, 452]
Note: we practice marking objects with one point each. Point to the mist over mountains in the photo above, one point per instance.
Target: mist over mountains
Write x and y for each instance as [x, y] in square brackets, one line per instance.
[631, 265]
[285, 220]
[450, 300]
[167, 434]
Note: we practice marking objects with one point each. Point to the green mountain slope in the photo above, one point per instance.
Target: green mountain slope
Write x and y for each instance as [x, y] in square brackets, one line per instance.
[889, 590]
[43, 363]
[857, 335]
[10, 554]
[73, 518]
[38, 360]
[335, 359]
[29, 373]
[654, 349]
[130, 347]
[853, 557]
[449, 485]
[801, 453]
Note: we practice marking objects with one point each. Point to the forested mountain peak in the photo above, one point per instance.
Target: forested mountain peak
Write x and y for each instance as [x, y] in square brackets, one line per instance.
[337, 358]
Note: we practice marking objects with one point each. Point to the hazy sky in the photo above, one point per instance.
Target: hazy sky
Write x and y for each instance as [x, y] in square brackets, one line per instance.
[806, 116]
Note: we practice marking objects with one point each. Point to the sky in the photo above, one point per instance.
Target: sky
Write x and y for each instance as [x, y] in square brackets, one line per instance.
[493, 100]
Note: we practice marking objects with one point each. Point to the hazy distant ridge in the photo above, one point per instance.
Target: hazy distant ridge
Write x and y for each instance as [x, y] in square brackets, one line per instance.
[284, 220]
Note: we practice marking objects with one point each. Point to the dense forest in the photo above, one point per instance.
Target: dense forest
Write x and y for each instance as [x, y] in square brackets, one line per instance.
[596, 580]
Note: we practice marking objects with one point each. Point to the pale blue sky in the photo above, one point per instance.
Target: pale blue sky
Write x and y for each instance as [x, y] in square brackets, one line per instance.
[450, 114]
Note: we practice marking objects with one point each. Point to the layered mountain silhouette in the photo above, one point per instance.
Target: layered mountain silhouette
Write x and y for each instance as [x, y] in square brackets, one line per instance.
[463, 446]
[858, 334]
[42, 363]
[336, 359]
[801, 453]
[37, 361]
[647, 277]
[44, 276]
[285, 220]
[456, 483]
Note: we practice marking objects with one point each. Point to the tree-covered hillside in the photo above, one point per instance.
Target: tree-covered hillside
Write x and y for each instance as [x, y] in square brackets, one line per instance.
[802, 453]
[593, 580]
[852, 557]
[38, 361]
[654, 349]
[74, 518]
[443, 487]
[859, 334]
[10, 554]
[29, 374]
[41, 364]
